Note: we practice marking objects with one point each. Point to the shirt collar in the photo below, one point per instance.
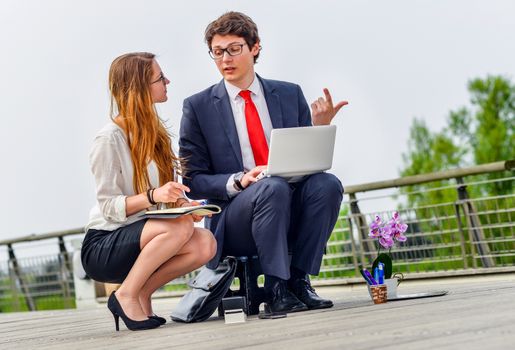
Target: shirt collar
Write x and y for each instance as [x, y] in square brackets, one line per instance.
[233, 91]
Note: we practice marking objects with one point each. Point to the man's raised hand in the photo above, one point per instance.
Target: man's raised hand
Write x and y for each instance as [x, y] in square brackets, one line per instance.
[323, 110]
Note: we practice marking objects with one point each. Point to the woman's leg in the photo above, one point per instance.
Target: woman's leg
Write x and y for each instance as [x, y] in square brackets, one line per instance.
[196, 252]
[160, 240]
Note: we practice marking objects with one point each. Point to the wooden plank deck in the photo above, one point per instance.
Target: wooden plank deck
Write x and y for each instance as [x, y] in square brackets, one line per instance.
[478, 313]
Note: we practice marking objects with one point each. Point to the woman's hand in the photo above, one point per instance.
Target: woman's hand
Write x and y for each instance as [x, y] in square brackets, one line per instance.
[196, 218]
[170, 192]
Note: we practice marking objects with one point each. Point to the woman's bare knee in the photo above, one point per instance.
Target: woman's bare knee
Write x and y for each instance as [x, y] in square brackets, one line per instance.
[180, 229]
[205, 245]
[184, 228]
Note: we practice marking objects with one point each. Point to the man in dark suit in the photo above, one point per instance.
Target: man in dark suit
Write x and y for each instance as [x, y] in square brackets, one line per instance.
[224, 136]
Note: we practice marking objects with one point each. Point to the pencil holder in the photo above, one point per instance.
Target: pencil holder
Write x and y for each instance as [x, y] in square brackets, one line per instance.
[391, 287]
[378, 293]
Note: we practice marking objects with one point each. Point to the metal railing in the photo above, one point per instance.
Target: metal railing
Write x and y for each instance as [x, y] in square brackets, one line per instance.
[37, 283]
[470, 233]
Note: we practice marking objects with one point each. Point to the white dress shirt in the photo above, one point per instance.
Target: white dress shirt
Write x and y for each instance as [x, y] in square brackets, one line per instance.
[111, 165]
[238, 111]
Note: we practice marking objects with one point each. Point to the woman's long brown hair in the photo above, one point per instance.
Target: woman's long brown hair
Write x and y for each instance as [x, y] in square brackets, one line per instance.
[129, 82]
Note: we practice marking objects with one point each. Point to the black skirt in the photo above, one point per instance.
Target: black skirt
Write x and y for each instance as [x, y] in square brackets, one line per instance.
[108, 256]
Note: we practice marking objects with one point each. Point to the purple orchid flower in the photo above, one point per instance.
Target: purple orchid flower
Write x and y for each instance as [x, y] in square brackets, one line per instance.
[397, 228]
[387, 242]
[388, 233]
[376, 227]
[400, 237]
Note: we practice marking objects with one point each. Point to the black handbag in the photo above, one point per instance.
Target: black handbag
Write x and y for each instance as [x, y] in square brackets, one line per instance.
[208, 289]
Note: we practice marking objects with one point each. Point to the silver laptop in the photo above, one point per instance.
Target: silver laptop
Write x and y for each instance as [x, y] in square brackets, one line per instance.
[300, 151]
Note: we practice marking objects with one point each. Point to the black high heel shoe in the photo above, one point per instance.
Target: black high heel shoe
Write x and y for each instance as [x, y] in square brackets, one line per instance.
[159, 319]
[114, 306]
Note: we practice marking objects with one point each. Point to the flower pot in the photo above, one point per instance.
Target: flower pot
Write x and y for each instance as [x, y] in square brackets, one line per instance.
[378, 293]
[391, 287]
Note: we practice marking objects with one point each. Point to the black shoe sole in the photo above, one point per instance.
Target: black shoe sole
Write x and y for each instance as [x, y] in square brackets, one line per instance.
[305, 308]
[297, 309]
[322, 306]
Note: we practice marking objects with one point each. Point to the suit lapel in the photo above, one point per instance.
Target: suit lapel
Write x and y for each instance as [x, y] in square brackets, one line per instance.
[273, 102]
[223, 107]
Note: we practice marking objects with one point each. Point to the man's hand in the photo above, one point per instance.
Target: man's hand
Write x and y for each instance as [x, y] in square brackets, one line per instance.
[250, 177]
[323, 110]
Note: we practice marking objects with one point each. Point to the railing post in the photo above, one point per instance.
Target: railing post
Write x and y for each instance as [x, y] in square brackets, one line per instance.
[474, 224]
[462, 235]
[14, 289]
[65, 272]
[13, 263]
[353, 248]
[361, 225]
[64, 252]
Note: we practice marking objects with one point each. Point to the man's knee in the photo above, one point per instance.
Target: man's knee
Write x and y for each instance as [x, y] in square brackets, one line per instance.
[275, 188]
[326, 185]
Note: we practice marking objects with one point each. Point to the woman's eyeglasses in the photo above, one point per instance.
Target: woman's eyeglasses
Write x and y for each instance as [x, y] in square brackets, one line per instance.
[161, 78]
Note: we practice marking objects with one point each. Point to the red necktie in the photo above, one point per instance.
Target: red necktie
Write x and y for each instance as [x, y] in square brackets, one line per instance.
[255, 129]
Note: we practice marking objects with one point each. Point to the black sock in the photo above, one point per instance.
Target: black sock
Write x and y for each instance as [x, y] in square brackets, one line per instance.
[296, 273]
[270, 281]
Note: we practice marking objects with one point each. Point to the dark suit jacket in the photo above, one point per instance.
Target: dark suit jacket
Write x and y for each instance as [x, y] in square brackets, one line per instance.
[209, 140]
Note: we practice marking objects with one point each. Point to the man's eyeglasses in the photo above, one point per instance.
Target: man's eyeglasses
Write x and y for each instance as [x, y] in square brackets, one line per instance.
[161, 78]
[232, 50]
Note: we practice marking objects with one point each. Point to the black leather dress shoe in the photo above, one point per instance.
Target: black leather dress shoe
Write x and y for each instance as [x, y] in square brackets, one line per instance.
[302, 289]
[280, 299]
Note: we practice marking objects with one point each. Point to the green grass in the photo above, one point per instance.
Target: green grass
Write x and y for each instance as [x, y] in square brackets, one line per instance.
[175, 287]
[52, 302]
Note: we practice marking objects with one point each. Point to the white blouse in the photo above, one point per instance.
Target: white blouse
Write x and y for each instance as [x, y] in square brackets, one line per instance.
[111, 165]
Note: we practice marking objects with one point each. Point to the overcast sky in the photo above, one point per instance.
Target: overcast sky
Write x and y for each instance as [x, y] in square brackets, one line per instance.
[392, 60]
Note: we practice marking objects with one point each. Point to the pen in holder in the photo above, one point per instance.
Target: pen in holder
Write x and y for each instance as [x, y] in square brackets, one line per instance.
[378, 292]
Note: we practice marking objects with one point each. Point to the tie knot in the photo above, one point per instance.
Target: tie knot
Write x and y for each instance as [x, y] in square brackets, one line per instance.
[245, 94]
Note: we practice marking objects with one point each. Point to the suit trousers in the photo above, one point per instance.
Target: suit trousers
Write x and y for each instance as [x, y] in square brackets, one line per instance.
[273, 218]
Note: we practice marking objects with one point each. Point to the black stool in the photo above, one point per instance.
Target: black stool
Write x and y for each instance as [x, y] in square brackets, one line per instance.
[248, 270]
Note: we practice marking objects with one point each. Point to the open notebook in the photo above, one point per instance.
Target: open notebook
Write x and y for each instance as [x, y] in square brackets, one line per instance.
[170, 213]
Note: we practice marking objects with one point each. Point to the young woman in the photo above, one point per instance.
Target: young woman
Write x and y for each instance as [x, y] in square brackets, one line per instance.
[135, 169]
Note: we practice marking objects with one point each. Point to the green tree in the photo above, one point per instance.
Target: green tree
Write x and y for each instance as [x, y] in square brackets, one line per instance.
[491, 134]
[481, 133]
[429, 152]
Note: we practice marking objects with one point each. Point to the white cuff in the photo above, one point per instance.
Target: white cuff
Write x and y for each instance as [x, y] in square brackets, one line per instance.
[115, 209]
[231, 191]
